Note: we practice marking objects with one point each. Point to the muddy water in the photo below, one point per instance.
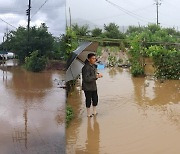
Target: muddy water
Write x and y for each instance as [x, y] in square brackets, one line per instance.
[31, 112]
[136, 116]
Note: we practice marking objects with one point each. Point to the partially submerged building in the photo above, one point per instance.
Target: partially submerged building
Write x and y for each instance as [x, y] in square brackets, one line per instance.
[6, 55]
[3, 55]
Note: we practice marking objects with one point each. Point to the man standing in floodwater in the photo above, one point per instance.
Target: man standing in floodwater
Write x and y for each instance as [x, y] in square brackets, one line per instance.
[89, 77]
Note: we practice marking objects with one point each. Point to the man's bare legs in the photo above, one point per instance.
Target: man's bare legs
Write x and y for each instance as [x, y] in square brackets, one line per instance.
[89, 112]
[94, 110]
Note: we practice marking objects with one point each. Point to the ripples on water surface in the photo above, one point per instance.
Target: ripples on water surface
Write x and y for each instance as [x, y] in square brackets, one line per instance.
[136, 116]
[31, 112]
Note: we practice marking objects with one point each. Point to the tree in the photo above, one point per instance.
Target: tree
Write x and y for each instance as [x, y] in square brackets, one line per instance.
[96, 32]
[172, 31]
[39, 39]
[35, 62]
[81, 30]
[134, 29]
[153, 28]
[112, 31]
[69, 42]
[58, 51]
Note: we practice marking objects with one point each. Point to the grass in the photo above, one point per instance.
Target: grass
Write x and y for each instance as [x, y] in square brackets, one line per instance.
[69, 114]
[99, 51]
[114, 49]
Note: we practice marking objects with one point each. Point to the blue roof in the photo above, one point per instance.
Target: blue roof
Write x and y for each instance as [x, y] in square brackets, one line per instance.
[3, 52]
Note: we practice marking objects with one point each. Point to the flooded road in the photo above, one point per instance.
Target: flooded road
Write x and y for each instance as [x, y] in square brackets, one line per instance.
[31, 112]
[135, 116]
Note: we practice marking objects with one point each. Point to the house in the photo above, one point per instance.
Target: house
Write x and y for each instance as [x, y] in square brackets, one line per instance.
[3, 55]
[6, 55]
[10, 55]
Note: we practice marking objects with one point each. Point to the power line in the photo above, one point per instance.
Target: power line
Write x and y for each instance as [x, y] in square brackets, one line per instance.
[39, 8]
[127, 11]
[8, 23]
[118, 15]
[172, 5]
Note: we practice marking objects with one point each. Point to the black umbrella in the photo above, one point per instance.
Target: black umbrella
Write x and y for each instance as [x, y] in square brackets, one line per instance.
[77, 59]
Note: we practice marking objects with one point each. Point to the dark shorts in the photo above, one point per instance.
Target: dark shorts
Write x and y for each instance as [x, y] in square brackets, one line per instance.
[91, 97]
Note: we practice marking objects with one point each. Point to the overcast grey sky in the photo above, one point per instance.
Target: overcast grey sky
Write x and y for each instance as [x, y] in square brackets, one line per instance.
[52, 13]
[137, 11]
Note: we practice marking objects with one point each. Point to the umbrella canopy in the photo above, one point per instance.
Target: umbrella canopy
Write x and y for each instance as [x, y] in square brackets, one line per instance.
[77, 59]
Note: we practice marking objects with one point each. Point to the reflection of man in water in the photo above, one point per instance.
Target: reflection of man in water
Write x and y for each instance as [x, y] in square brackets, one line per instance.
[93, 134]
[89, 77]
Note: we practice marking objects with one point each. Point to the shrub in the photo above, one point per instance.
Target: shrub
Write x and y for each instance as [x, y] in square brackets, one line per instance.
[112, 60]
[137, 69]
[35, 63]
[69, 114]
[99, 51]
[166, 62]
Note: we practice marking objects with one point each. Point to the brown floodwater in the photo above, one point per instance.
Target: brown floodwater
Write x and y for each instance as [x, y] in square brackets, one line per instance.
[135, 116]
[31, 111]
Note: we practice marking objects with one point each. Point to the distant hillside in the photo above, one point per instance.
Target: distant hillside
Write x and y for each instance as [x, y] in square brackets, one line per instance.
[92, 25]
[82, 22]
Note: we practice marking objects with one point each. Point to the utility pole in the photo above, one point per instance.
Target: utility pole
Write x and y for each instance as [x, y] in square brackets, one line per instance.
[158, 3]
[139, 24]
[3, 41]
[70, 17]
[7, 37]
[28, 13]
[66, 14]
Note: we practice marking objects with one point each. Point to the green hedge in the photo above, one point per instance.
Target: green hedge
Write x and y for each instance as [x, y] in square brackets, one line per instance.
[166, 62]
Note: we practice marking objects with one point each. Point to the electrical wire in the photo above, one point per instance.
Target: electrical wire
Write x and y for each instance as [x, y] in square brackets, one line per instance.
[8, 23]
[128, 12]
[118, 15]
[39, 9]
